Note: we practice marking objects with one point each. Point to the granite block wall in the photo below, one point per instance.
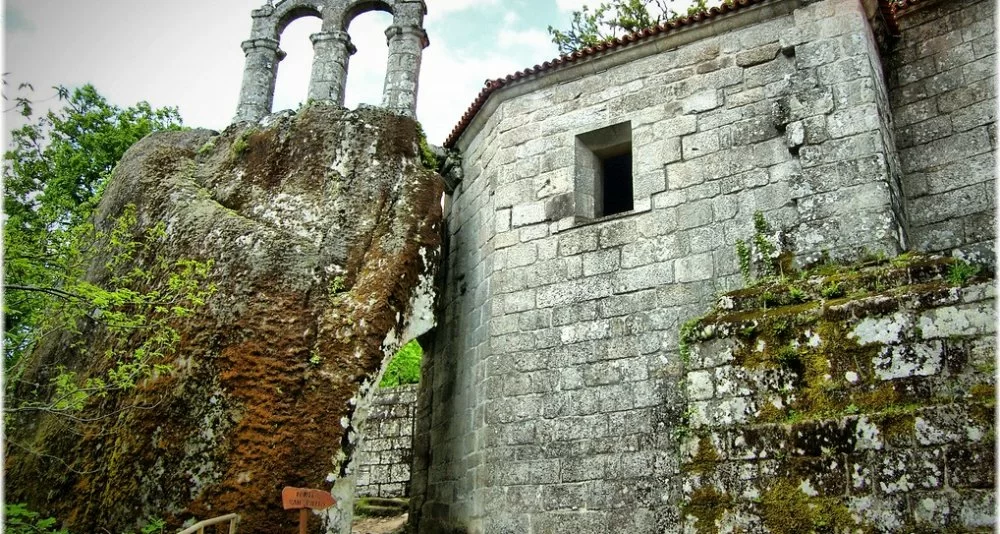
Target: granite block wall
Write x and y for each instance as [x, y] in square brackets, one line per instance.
[942, 74]
[554, 380]
[385, 455]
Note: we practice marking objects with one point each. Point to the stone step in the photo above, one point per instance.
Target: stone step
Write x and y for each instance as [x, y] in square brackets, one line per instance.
[381, 507]
[827, 283]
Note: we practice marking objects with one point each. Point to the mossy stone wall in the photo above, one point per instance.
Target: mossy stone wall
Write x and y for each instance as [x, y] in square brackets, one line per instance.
[870, 412]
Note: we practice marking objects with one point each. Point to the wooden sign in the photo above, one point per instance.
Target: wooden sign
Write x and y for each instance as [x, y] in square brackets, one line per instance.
[294, 498]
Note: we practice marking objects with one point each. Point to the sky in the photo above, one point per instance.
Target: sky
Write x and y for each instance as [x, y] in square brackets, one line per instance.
[186, 53]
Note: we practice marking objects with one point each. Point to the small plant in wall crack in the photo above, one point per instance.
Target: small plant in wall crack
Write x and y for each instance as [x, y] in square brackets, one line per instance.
[766, 249]
[961, 272]
[745, 258]
[338, 285]
[762, 254]
[683, 428]
[241, 144]
[687, 335]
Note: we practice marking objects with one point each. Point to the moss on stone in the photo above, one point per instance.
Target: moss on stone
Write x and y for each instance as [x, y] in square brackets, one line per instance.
[707, 504]
[983, 392]
[785, 509]
[896, 427]
[705, 460]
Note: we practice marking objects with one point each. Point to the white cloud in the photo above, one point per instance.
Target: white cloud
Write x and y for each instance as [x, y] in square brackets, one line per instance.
[510, 18]
[574, 5]
[529, 47]
[533, 38]
[450, 82]
[438, 8]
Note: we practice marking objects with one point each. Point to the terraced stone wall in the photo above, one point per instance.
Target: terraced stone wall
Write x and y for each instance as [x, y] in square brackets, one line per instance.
[872, 412]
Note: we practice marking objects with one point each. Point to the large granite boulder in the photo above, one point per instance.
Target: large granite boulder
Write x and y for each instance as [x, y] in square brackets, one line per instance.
[324, 230]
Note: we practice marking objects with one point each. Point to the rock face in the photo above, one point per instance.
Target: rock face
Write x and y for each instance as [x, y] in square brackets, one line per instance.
[324, 229]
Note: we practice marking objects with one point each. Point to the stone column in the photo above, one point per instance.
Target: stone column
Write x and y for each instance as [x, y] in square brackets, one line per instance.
[257, 94]
[406, 45]
[332, 52]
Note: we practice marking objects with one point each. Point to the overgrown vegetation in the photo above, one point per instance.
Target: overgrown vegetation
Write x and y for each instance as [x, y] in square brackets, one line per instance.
[785, 509]
[593, 25]
[54, 173]
[778, 311]
[18, 519]
[242, 143]
[427, 156]
[961, 272]
[63, 275]
[404, 368]
[796, 327]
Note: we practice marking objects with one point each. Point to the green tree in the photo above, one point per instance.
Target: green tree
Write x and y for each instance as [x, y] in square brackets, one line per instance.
[54, 172]
[592, 26]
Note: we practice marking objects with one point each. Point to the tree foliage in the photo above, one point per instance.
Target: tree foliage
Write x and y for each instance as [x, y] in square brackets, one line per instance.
[64, 276]
[54, 172]
[593, 26]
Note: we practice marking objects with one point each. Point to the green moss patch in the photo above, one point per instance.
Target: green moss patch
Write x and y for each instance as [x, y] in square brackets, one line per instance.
[785, 509]
[707, 504]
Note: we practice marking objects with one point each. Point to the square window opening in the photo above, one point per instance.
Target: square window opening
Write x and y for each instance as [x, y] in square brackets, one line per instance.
[604, 172]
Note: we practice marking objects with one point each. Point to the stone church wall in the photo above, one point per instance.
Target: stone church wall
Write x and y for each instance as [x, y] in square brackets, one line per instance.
[871, 412]
[554, 379]
[943, 93]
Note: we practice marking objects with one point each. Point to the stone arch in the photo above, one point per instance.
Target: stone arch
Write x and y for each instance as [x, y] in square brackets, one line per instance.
[288, 11]
[360, 7]
[332, 51]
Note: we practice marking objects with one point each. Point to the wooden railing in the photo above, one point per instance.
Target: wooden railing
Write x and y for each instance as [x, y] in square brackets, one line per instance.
[199, 527]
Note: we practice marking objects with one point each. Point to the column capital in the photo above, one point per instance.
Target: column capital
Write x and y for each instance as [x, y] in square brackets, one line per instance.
[268, 44]
[396, 31]
[423, 3]
[263, 11]
[338, 36]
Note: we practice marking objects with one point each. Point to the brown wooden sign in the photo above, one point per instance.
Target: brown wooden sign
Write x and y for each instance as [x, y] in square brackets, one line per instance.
[294, 498]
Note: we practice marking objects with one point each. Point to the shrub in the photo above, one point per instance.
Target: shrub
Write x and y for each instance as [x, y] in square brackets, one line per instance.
[404, 368]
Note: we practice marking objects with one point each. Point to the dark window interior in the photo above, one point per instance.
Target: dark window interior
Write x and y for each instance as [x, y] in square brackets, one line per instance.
[617, 186]
[603, 175]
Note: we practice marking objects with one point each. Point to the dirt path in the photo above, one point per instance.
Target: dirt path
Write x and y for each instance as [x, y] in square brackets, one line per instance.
[379, 525]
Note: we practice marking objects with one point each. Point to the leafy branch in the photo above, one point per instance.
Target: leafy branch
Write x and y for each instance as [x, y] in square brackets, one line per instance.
[608, 20]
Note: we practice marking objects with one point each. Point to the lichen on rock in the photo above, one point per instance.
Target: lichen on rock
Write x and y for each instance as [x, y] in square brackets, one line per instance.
[827, 402]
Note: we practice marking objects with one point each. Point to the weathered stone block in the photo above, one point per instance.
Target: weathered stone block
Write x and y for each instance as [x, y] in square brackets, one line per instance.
[700, 144]
[578, 241]
[756, 56]
[702, 101]
[643, 277]
[971, 466]
[694, 268]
